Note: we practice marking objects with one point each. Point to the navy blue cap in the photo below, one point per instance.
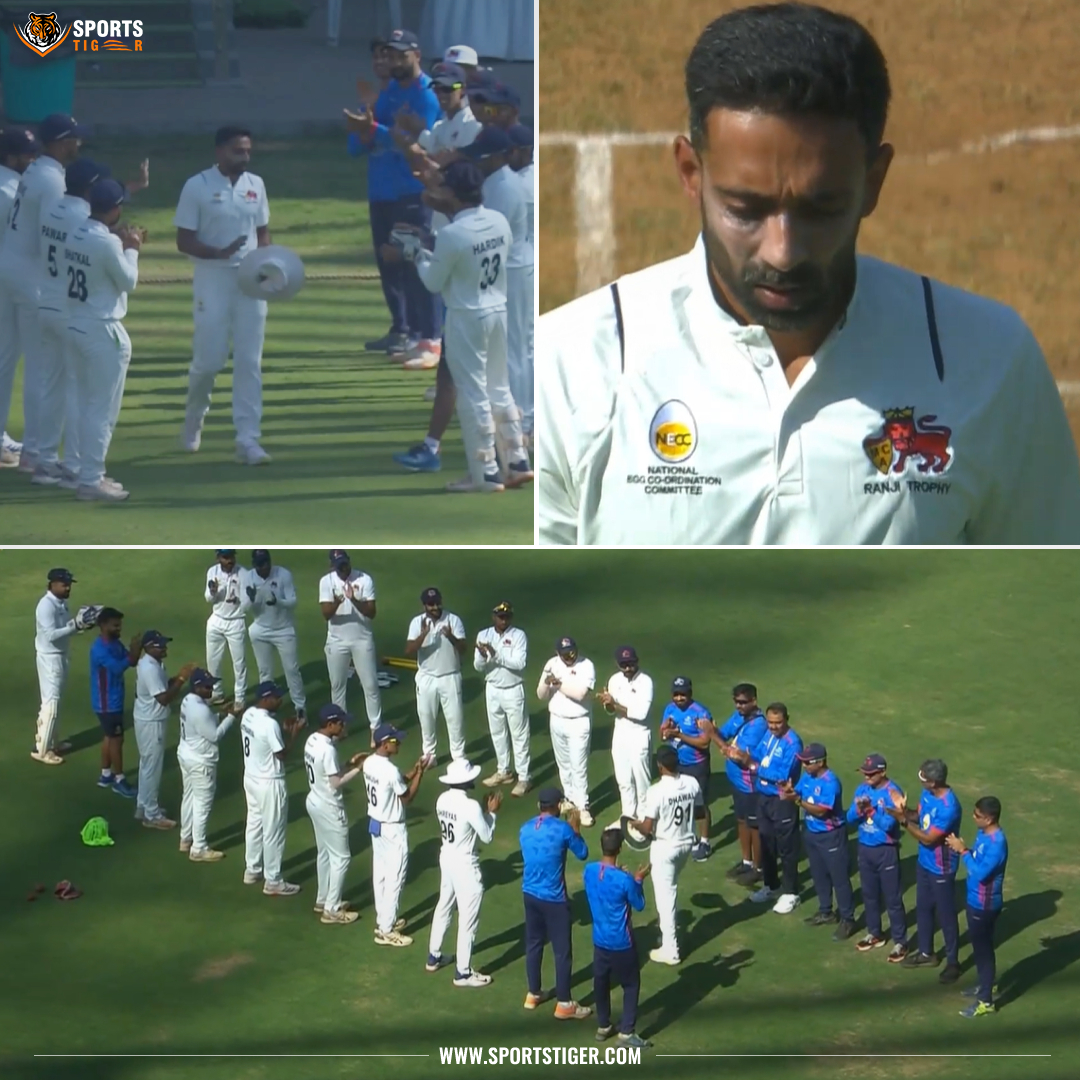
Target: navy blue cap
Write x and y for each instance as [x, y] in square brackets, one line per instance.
[814, 751]
[268, 689]
[873, 763]
[681, 685]
[82, 174]
[387, 731]
[448, 75]
[496, 93]
[201, 677]
[18, 141]
[105, 195]
[60, 574]
[260, 557]
[520, 134]
[155, 637]
[331, 712]
[431, 596]
[549, 796]
[465, 179]
[225, 551]
[61, 126]
[338, 557]
[565, 644]
[625, 654]
[403, 40]
[490, 141]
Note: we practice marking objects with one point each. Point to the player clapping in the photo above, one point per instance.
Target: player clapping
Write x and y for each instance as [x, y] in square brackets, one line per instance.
[224, 589]
[109, 660]
[501, 656]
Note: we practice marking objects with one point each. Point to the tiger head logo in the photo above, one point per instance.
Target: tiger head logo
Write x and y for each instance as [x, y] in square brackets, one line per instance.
[42, 33]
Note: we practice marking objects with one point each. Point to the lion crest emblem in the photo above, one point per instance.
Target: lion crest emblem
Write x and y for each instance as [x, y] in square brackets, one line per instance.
[42, 33]
[903, 438]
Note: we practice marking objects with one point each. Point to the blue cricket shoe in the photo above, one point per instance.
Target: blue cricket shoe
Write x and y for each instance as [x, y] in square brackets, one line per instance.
[122, 787]
[419, 458]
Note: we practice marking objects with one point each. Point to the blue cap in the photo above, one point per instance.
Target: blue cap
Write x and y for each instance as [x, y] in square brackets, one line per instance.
[82, 174]
[496, 93]
[61, 126]
[105, 195]
[549, 796]
[387, 731]
[814, 751]
[338, 557]
[18, 141]
[448, 75]
[260, 557]
[225, 551]
[565, 644]
[431, 596]
[268, 689]
[681, 685]
[490, 141]
[332, 712]
[482, 78]
[520, 134]
[403, 40]
[465, 179]
[625, 654]
[201, 677]
[155, 637]
[873, 763]
[60, 574]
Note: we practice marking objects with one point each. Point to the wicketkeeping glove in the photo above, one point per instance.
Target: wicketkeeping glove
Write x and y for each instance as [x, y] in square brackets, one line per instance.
[409, 243]
[87, 616]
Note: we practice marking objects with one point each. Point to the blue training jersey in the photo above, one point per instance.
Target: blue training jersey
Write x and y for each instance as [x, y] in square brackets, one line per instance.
[776, 759]
[824, 789]
[612, 894]
[746, 732]
[108, 662]
[687, 721]
[985, 864]
[943, 814]
[878, 828]
[545, 840]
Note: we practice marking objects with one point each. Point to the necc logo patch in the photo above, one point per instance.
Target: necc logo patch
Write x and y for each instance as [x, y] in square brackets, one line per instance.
[673, 432]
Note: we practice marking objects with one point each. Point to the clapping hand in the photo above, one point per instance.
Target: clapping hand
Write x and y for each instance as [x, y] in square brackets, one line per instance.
[899, 799]
[573, 819]
[186, 672]
[642, 872]
[366, 94]
[359, 123]
[494, 801]
[955, 843]
[786, 791]
[409, 122]
[425, 628]
[144, 179]
[863, 804]
[357, 760]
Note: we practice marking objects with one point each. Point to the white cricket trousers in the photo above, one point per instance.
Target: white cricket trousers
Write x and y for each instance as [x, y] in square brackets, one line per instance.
[476, 356]
[224, 316]
[20, 336]
[570, 740]
[461, 887]
[360, 654]
[150, 739]
[219, 634]
[265, 643]
[102, 351]
[433, 691]
[52, 669]
[667, 860]
[520, 285]
[630, 756]
[389, 863]
[508, 723]
[59, 415]
[199, 781]
[264, 837]
[332, 844]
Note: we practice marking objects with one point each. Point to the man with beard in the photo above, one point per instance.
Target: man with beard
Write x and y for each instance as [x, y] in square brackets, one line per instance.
[771, 386]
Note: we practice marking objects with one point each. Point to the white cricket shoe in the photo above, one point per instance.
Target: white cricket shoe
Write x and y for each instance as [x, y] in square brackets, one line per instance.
[69, 480]
[280, 888]
[488, 486]
[8, 443]
[101, 492]
[764, 895]
[497, 778]
[27, 462]
[48, 758]
[191, 436]
[9, 459]
[522, 787]
[587, 819]
[341, 917]
[658, 956]
[47, 475]
[473, 978]
[252, 879]
[787, 903]
[394, 938]
[206, 855]
[252, 454]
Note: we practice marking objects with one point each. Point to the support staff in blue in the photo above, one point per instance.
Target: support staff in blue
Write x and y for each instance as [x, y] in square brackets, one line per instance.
[820, 796]
[545, 840]
[741, 733]
[985, 863]
[108, 662]
[614, 895]
[879, 857]
[938, 816]
[688, 726]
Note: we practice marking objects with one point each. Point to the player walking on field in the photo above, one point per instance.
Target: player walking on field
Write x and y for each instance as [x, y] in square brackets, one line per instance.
[197, 755]
[109, 660]
[326, 808]
[265, 749]
[628, 697]
[270, 593]
[388, 793]
[226, 625]
[501, 655]
[462, 822]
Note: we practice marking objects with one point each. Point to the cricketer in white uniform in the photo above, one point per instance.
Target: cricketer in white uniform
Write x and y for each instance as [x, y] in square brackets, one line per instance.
[522, 380]
[326, 808]
[265, 749]
[101, 267]
[668, 811]
[154, 693]
[222, 215]
[566, 684]
[388, 793]
[501, 654]
[41, 185]
[462, 822]
[270, 593]
[227, 624]
[347, 602]
[197, 756]
[629, 697]
[54, 629]
[437, 640]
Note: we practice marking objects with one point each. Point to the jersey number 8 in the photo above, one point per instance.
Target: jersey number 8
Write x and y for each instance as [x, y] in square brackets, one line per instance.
[447, 827]
[247, 747]
[76, 284]
[489, 270]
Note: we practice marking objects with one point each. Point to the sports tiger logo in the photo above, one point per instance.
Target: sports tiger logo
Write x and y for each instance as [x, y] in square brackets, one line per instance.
[42, 33]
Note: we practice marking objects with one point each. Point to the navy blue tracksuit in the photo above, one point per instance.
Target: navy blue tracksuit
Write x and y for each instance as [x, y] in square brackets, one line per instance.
[879, 860]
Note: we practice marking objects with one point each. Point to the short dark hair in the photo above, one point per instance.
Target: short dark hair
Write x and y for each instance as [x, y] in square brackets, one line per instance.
[667, 758]
[744, 688]
[226, 134]
[789, 58]
[990, 805]
[777, 707]
[377, 44]
[611, 842]
[935, 770]
[108, 614]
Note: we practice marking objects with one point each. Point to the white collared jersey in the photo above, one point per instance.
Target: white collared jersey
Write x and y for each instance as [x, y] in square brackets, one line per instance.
[230, 592]
[503, 191]
[582, 670]
[385, 785]
[436, 656]
[506, 668]
[320, 763]
[150, 680]
[347, 624]
[928, 416]
[54, 626]
[261, 740]
[462, 821]
[38, 188]
[636, 694]
[468, 265]
[449, 133]
[670, 804]
[218, 211]
[9, 184]
[527, 177]
[58, 223]
[200, 732]
[277, 585]
[98, 273]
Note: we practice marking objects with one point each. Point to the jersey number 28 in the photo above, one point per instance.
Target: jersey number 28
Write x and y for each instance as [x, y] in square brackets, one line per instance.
[76, 283]
[489, 270]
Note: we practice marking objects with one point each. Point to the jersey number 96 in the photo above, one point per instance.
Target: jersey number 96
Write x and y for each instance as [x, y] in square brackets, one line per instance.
[447, 827]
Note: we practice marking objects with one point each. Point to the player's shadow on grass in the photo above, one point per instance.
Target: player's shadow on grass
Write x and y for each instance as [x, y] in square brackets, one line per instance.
[1016, 916]
[84, 740]
[1056, 955]
[719, 916]
[602, 798]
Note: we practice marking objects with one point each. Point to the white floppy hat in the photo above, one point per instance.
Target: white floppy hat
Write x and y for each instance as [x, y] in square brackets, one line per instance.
[271, 273]
[461, 54]
[459, 771]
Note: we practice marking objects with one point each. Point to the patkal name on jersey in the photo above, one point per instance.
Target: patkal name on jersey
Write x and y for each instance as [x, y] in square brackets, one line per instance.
[76, 257]
[489, 245]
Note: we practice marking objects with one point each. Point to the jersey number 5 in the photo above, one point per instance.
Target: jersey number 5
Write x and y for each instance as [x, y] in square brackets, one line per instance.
[76, 283]
[489, 270]
[54, 270]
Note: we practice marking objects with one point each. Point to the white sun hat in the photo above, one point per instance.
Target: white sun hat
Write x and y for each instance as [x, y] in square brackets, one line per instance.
[459, 772]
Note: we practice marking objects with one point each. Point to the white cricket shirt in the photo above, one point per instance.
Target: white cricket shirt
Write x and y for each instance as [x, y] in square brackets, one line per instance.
[385, 786]
[502, 191]
[462, 821]
[150, 680]
[39, 187]
[218, 211]
[670, 804]
[260, 738]
[320, 763]
[581, 670]
[468, 265]
[58, 223]
[347, 625]
[635, 694]
[449, 133]
[200, 731]
[277, 585]
[98, 273]
[230, 593]
[527, 178]
[436, 656]
[54, 626]
[691, 434]
[9, 184]
[506, 668]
